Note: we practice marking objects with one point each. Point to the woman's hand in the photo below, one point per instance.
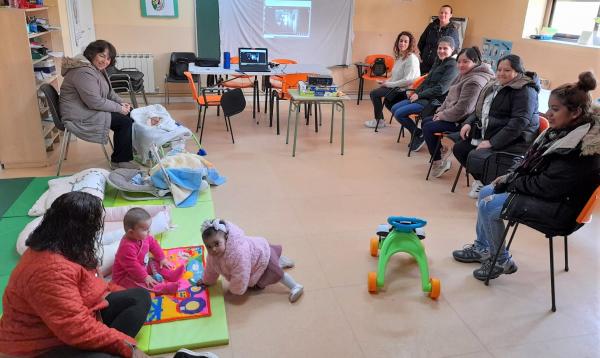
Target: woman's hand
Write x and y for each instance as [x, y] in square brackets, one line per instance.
[381, 83]
[166, 263]
[484, 145]
[414, 97]
[125, 108]
[437, 117]
[499, 180]
[150, 281]
[464, 131]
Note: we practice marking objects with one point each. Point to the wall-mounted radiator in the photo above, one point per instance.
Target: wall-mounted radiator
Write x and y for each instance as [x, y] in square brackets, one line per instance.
[144, 62]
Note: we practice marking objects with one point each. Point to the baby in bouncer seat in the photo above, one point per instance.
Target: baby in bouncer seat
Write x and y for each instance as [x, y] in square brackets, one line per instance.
[154, 125]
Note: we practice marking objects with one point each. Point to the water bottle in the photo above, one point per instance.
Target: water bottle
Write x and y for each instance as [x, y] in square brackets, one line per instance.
[226, 60]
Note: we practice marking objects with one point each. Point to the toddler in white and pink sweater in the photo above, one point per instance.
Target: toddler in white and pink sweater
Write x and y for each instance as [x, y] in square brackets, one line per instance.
[244, 261]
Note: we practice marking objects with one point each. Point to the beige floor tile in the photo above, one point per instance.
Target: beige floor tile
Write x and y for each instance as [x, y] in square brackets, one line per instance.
[265, 324]
[404, 323]
[581, 347]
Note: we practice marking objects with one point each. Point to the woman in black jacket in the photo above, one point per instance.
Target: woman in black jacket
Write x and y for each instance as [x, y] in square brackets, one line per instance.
[433, 89]
[505, 119]
[548, 189]
[428, 42]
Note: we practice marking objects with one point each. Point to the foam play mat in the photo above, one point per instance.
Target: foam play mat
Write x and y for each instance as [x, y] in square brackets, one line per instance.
[18, 195]
[190, 301]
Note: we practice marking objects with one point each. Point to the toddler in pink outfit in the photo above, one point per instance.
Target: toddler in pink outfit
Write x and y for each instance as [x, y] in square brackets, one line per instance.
[245, 261]
[133, 265]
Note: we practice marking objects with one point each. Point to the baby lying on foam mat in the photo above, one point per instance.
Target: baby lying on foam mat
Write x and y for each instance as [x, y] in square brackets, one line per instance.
[113, 230]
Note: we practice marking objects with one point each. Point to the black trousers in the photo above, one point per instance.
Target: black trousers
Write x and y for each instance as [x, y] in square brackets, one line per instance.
[122, 138]
[126, 312]
[379, 97]
[472, 159]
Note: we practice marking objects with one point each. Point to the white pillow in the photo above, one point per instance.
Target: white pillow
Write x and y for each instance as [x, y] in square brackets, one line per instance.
[92, 181]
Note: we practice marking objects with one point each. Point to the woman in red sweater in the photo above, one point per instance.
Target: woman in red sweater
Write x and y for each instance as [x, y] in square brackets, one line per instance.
[55, 304]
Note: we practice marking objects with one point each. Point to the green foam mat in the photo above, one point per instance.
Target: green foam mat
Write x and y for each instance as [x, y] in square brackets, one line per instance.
[28, 197]
[204, 196]
[9, 232]
[10, 189]
[188, 222]
[193, 333]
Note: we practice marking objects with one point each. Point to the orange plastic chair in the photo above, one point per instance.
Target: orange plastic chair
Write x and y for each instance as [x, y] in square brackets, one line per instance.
[544, 124]
[584, 217]
[244, 81]
[366, 74]
[287, 82]
[274, 81]
[203, 101]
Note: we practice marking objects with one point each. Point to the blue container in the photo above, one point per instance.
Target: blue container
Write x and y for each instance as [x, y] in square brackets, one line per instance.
[226, 60]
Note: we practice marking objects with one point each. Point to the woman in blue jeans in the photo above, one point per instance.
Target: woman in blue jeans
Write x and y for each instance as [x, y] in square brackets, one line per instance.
[434, 87]
[550, 186]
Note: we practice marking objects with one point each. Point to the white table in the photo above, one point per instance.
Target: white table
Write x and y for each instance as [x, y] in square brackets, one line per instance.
[283, 69]
[279, 70]
[295, 102]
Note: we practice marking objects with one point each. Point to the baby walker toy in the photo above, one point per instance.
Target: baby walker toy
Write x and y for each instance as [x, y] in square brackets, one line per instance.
[402, 237]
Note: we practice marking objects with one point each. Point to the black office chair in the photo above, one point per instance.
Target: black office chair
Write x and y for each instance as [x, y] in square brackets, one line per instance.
[178, 64]
[127, 80]
[52, 100]
[232, 102]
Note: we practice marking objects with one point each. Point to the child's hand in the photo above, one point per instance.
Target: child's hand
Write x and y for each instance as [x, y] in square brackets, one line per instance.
[166, 263]
[150, 281]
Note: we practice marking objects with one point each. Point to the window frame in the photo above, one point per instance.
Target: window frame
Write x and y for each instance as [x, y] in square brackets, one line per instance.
[549, 15]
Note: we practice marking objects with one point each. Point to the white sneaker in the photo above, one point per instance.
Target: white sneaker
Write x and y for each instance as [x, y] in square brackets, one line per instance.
[296, 292]
[373, 123]
[475, 188]
[443, 167]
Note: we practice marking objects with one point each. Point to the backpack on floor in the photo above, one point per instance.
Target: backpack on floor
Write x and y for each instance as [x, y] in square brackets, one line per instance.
[378, 68]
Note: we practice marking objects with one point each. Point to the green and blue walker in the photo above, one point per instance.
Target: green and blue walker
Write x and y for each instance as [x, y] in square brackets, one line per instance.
[402, 237]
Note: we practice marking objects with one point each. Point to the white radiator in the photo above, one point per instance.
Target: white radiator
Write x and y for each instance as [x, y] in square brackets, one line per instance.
[144, 62]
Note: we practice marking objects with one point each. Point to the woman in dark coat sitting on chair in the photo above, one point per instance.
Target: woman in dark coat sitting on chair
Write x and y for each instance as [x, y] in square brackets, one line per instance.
[505, 119]
[550, 186]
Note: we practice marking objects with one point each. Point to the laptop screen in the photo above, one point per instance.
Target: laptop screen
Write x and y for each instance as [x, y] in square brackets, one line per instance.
[253, 56]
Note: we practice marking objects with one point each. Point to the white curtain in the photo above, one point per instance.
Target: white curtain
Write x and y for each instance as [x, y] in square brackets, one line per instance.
[310, 32]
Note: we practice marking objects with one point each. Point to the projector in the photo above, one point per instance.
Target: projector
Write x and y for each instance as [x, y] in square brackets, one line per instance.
[320, 80]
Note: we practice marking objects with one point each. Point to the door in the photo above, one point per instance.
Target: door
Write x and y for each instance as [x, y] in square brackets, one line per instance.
[81, 24]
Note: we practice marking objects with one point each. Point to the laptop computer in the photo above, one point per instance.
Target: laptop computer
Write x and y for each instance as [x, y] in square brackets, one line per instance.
[253, 59]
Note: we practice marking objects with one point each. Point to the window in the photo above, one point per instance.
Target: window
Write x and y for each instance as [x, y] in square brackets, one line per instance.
[574, 16]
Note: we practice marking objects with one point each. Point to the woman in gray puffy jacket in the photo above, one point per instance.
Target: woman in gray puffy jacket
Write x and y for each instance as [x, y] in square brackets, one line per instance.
[89, 106]
[460, 102]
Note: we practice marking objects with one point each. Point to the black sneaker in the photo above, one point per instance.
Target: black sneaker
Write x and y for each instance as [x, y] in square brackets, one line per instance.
[469, 254]
[418, 143]
[508, 267]
[186, 353]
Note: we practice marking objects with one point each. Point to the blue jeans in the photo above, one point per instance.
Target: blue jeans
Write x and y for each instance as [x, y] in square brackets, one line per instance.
[401, 111]
[430, 127]
[490, 227]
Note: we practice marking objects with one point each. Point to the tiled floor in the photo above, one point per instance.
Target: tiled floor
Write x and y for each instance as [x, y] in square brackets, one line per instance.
[324, 207]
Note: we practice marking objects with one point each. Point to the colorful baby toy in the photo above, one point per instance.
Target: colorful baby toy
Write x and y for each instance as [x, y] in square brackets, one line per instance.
[401, 238]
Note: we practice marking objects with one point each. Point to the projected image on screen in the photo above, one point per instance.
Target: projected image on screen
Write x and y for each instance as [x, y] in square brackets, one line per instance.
[286, 18]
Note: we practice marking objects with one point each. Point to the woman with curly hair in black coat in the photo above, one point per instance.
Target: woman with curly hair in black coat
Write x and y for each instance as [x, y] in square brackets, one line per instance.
[550, 186]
